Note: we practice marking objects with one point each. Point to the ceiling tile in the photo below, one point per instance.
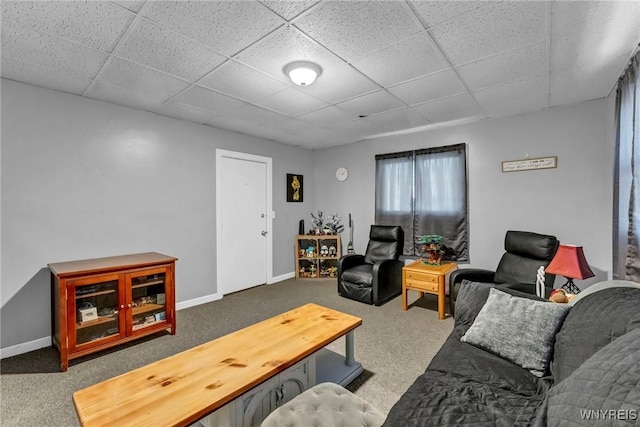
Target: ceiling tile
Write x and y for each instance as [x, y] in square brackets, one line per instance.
[233, 123]
[515, 90]
[242, 82]
[404, 118]
[137, 78]
[405, 60]
[40, 59]
[96, 24]
[354, 28]
[339, 83]
[455, 106]
[132, 5]
[574, 85]
[326, 116]
[185, 112]
[490, 30]
[586, 17]
[372, 103]
[289, 9]
[264, 117]
[358, 129]
[427, 88]
[292, 102]
[226, 26]
[209, 100]
[284, 46]
[122, 96]
[511, 65]
[432, 13]
[163, 50]
[534, 103]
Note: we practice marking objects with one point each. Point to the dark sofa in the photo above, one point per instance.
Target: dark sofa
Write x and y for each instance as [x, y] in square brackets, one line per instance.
[594, 366]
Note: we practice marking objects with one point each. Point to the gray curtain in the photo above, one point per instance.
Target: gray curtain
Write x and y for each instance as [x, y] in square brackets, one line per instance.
[626, 226]
[425, 192]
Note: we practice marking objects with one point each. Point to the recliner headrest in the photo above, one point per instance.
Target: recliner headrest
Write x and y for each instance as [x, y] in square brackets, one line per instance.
[531, 245]
[385, 233]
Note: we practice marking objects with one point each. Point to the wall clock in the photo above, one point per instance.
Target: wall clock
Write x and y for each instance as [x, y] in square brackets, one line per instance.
[342, 174]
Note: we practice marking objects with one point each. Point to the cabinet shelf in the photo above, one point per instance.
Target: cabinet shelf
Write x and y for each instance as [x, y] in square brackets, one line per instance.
[146, 309]
[145, 284]
[95, 322]
[93, 294]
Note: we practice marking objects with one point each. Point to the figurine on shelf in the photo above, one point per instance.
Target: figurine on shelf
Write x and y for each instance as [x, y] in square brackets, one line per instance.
[333, 251]
[310, 251]
[324, 250]
[332, 271]
[312, 270]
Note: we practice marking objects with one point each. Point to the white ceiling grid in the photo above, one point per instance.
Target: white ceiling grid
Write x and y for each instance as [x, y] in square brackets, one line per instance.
[388, 66]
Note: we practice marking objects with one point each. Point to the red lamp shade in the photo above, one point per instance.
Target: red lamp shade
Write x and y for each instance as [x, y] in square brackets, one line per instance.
[570, 262]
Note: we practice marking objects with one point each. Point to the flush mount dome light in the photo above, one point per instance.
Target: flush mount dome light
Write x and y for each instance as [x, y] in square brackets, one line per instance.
[302, 73]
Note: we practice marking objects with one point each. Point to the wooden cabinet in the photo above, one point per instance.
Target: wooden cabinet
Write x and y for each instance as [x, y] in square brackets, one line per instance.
[316, 256]
[102, 302]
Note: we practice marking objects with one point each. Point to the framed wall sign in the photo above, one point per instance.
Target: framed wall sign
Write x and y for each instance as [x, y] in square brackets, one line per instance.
[294, 188]
[530, 164]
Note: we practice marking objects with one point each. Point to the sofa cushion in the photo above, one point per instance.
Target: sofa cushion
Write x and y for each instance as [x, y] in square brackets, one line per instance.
[445, 399]
[518, 329]
[473, 295]
[609, 381]
[361, 275]
[594, 321]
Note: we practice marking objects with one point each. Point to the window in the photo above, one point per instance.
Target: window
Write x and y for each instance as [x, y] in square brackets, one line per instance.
[425, 192]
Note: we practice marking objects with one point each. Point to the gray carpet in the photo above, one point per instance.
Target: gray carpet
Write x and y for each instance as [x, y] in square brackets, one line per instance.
[394, 347]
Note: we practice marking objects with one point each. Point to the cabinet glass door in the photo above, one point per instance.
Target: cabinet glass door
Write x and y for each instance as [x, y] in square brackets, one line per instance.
[96, 310]
[148, 298]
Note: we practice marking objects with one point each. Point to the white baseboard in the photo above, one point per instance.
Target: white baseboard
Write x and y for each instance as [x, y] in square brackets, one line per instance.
[25, 347]
[43, 342]
[282, 277]
[197, 301]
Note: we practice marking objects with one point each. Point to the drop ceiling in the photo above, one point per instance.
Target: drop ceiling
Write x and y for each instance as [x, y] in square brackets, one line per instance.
[389, 67]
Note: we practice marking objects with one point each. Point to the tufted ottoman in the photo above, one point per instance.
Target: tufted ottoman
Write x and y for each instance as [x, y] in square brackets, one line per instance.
[325, 405]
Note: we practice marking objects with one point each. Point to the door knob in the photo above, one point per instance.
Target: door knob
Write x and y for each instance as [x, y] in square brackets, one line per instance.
[264, 233]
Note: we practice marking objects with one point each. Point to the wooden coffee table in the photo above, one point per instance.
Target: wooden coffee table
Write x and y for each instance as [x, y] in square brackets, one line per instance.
[424, 278]
[226, 372]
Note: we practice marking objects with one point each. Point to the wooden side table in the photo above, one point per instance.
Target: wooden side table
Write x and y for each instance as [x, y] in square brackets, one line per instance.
[422, 278]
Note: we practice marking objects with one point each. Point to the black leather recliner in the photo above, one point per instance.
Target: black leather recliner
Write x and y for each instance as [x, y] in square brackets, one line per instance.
[375, 277]
[518, 268]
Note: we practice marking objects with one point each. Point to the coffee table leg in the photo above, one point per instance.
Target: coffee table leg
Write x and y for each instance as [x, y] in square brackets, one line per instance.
[349, 340]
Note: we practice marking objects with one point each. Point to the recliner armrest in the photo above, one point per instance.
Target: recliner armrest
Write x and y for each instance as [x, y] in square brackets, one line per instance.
[472, 274]
[388, 274]
[349, 261]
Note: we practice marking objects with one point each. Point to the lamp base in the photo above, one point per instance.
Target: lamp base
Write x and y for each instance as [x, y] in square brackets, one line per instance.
[571, 287]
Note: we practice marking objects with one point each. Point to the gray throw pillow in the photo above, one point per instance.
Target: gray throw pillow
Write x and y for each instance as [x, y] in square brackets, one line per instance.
[518, 329]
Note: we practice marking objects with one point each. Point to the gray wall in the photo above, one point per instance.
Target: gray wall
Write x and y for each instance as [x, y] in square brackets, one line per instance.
[84, 179]
[573, 201]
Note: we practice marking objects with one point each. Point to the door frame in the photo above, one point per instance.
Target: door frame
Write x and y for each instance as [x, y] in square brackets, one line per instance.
[220, 154]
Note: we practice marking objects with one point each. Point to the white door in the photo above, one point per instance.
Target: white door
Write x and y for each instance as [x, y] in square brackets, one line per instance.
[243, 185]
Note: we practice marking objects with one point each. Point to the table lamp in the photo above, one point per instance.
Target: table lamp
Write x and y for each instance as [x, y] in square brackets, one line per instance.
[569, 261]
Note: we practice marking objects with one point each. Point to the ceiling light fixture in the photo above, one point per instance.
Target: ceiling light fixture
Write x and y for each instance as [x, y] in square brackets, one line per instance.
[302, 73]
